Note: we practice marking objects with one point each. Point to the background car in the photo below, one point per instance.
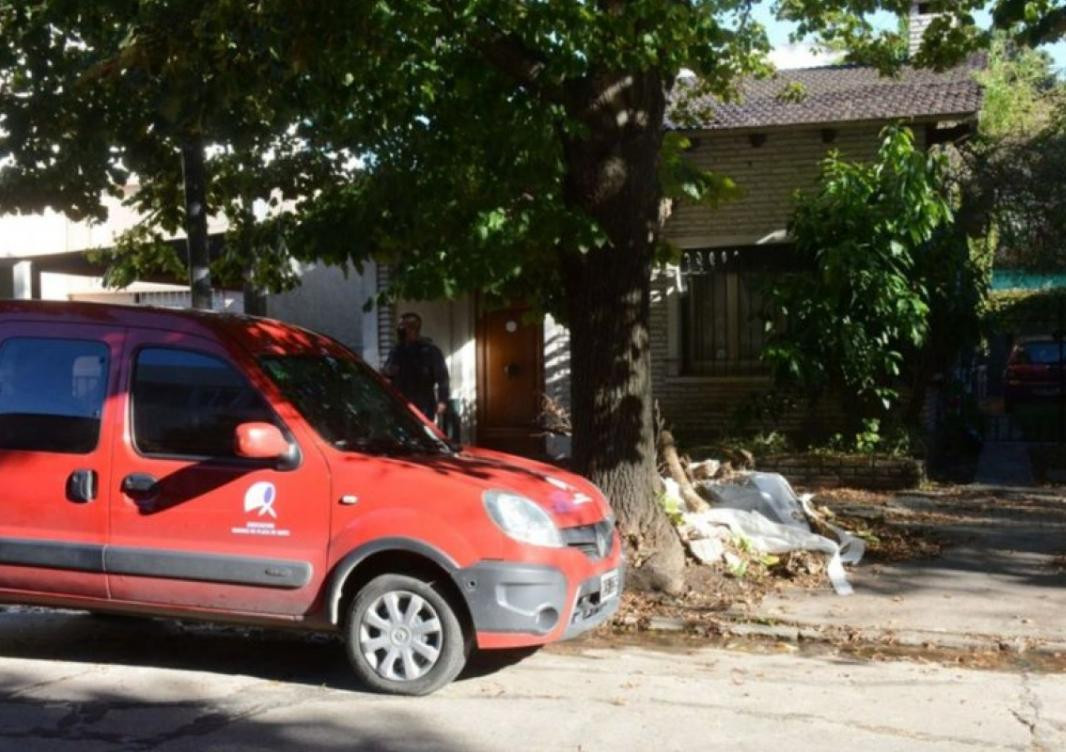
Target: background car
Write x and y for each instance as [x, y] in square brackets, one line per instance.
[1034, 371]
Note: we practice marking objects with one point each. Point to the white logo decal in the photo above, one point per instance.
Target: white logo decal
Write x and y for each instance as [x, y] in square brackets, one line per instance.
[562, 485]
[578, 498]
[261, 497]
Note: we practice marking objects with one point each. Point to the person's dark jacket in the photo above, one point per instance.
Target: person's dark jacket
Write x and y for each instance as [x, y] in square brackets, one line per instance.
[415, 368]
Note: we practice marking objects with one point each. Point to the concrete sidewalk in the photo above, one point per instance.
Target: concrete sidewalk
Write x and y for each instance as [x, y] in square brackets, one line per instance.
[1001, 580]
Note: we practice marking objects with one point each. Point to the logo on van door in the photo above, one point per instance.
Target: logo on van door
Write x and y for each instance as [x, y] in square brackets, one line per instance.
[260, 498]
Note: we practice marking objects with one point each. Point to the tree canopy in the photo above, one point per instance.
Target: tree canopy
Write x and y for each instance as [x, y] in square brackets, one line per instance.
[1016, 161]
[951, 36]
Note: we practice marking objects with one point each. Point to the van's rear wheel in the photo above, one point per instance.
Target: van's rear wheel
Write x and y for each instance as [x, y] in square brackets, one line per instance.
[403, 636]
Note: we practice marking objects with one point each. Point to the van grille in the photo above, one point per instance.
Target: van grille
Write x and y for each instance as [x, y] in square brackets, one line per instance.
[595, 541]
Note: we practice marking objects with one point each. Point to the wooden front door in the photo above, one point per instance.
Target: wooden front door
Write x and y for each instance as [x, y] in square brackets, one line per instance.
[510, 382]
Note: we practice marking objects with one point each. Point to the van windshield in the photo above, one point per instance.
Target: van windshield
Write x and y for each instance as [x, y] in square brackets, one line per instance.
[344, 402]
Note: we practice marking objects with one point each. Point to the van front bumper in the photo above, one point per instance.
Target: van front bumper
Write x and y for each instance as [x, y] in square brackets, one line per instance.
[514, 605]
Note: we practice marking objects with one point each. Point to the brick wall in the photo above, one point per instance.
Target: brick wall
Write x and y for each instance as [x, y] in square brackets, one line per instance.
[852, 470]
[768, 174]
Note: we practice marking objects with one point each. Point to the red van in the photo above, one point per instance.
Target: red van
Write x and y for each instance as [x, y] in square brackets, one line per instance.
[201, 465]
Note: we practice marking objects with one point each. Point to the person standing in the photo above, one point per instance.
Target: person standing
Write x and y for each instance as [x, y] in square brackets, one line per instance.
[416, 367]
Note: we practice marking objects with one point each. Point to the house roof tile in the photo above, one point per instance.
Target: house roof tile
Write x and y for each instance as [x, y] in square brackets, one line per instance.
[832, 94]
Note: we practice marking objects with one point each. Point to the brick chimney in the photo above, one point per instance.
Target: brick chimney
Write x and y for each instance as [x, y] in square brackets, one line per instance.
[918, 20]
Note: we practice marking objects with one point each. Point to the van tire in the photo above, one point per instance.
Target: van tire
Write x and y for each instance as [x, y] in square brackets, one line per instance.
[387, 617]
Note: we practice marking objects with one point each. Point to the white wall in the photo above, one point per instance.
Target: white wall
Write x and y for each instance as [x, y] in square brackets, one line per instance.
[50, 232]
[327, 301]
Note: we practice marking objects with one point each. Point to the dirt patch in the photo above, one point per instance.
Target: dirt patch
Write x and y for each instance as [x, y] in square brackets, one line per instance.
[892, 533]
[714, 596]
[862, 496]
[691, 641]
[709, 594]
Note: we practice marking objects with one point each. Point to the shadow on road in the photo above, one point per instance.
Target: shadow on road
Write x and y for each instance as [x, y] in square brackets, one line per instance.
[81, 637]
[275, 655]
[99, 719]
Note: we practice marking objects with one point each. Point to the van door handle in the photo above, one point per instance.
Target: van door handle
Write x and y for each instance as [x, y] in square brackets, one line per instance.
[82, 486]
[139, 483]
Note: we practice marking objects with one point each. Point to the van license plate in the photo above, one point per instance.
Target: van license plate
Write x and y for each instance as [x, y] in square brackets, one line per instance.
[609, 585]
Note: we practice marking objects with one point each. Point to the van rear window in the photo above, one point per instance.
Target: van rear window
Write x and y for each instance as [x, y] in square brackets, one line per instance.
[1040, 353]
[52, 394]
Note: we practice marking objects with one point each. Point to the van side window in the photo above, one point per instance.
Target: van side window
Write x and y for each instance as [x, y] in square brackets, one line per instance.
[52, 394]
[189, 404]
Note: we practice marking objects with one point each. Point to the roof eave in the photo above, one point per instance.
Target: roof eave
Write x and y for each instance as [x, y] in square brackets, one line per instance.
[910, 119]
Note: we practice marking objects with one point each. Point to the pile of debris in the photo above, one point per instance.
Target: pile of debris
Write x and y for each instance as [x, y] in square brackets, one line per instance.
[724, 509]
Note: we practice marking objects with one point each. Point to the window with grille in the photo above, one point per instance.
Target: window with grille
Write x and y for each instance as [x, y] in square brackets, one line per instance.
[724, 309]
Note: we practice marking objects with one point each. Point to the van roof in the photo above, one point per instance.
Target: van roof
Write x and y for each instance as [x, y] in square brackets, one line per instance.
[257, 335]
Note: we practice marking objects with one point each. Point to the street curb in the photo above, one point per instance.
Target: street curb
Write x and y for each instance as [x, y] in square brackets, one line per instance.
[867, 636]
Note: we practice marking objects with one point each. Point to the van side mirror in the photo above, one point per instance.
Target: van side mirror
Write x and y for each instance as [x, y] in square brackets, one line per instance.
[260, 441]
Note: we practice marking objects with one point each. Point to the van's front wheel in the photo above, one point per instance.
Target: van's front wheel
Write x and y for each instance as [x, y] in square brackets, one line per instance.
[403, 636]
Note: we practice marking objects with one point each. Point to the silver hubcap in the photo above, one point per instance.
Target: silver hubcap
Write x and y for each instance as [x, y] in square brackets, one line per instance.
[400, 636]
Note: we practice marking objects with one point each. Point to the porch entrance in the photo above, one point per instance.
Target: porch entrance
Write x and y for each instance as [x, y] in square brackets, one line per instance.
[510, 382]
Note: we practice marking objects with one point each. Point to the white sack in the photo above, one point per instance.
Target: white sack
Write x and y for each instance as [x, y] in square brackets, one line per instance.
[766, 511]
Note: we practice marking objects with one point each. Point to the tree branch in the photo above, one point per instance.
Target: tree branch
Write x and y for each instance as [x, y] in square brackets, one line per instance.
[510, 55]
[1049, 29]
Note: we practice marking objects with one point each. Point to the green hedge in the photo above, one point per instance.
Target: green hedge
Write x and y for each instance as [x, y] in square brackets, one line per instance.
[1009, 309]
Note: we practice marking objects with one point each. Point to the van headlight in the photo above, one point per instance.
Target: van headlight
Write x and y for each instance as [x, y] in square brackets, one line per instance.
[522, 519]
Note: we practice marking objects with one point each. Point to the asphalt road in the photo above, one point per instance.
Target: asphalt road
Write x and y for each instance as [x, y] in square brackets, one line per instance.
[72, 681]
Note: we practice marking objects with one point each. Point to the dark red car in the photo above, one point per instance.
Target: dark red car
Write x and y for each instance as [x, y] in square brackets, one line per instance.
[222, 467]
[1034, 372]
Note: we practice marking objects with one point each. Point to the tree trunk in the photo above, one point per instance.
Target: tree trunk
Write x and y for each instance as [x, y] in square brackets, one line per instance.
[255, 297]
[612, 176]
[192, 164]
